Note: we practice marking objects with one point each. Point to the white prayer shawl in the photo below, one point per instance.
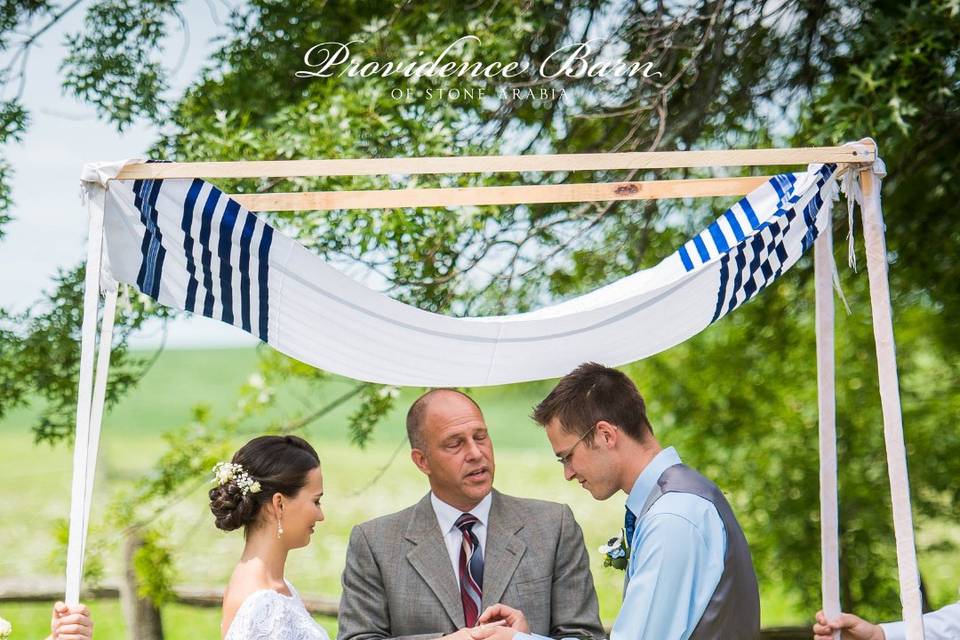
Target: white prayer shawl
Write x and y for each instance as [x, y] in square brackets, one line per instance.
[192, 247]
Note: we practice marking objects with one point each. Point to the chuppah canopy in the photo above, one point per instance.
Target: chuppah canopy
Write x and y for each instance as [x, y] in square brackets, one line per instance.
[191, 247]
[182, 241]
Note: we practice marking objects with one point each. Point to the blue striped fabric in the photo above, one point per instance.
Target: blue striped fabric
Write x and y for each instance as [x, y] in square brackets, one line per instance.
[732, 227]
[765, 248]
[209, 256]
[145, 196]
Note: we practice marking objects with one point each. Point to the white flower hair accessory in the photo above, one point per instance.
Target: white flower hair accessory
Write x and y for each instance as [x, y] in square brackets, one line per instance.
[225, 472]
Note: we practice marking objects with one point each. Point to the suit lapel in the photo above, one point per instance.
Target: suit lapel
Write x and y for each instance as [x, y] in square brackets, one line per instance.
[503, 551]
[430, 559]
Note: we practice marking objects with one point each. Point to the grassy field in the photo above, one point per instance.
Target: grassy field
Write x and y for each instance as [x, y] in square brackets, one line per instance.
[35, 481]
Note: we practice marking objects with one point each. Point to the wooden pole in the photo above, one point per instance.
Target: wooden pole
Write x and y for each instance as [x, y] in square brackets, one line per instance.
[852, 153]
[526, 194]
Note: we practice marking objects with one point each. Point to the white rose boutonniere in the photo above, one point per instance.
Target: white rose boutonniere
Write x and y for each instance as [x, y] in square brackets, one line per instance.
[616, 552]
[5, 629]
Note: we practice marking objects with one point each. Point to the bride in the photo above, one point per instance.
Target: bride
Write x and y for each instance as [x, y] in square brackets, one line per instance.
[272, 488]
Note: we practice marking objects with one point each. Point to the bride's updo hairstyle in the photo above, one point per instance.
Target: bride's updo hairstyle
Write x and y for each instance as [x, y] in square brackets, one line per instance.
[271, 464]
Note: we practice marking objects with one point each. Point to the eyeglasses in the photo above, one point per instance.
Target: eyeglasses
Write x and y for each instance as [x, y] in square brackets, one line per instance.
[565, 458]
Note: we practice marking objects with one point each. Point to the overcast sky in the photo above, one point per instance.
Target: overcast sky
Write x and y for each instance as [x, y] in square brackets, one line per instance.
[50, 226]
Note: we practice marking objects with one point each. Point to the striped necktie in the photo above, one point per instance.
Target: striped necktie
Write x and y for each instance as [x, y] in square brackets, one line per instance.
[471, 569]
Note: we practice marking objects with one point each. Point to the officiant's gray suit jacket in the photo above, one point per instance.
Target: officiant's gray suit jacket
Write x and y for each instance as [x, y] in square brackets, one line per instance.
[399, 581]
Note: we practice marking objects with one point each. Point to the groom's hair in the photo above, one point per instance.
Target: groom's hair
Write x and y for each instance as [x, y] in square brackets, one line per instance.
[417, 414]
[593, 392]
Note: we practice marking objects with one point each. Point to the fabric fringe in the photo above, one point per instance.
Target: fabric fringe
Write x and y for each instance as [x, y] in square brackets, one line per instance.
[834, 187]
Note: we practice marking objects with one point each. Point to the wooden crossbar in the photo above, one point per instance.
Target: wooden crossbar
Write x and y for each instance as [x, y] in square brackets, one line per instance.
[526, 194]
[861, 152]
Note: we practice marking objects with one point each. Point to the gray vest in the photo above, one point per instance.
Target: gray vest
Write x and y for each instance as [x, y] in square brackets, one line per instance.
[733, 612]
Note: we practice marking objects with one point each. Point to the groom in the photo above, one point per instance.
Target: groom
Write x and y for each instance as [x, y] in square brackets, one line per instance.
[689, 573]
[432, 568]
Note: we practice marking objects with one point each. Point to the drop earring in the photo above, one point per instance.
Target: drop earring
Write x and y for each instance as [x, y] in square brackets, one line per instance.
[280, 523]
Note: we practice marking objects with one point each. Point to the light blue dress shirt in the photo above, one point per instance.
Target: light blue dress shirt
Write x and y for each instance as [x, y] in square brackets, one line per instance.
[676, 560]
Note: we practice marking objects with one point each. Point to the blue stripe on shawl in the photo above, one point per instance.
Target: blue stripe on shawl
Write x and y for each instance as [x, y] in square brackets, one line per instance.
[751, 215]
[263, 257]
[701, 248]
[685, 258]
[722, 293]
[245, 238]
[718, 238]
[227, 222]
[151, 248]
[185, 225]
[205, 254]
[734, 224]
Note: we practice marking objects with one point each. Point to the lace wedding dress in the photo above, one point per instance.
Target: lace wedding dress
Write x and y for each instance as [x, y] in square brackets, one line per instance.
[269, 615]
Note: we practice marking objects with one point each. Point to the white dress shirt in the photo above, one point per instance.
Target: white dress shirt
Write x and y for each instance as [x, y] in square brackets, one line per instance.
[942, 624]
[447, 518]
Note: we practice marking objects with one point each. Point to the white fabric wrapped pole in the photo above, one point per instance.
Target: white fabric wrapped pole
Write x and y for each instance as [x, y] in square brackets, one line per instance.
[876, 250]
[99, 393]
[826, 397]
[81, 454]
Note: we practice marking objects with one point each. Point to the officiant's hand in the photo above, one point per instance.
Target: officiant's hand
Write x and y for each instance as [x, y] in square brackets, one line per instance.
[71, 622]
[513, 617]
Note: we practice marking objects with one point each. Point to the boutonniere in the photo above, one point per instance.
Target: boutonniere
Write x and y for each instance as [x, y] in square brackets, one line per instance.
[616, 552]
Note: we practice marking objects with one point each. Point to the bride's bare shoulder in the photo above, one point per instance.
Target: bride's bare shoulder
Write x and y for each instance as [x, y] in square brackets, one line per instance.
[244, 581]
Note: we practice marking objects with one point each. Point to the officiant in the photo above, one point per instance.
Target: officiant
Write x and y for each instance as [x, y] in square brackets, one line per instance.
[434, 567]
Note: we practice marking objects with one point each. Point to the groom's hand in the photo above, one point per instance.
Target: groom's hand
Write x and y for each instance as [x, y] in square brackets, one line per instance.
[479, 632]
[513, 617]
[493, 633]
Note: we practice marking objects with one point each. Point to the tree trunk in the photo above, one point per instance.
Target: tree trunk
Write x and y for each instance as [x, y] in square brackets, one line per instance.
[141, 616]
